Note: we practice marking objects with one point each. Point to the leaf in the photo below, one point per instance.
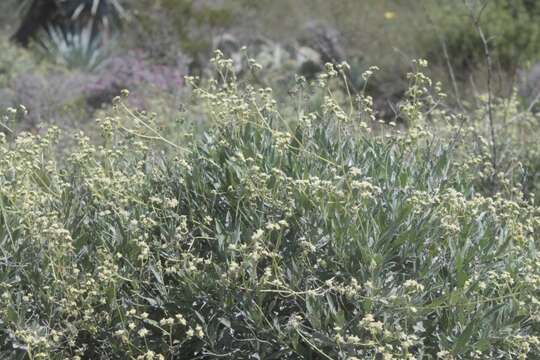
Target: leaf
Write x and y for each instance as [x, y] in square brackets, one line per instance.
[156, 274]
[482, 345]
[460, 345]
[225, 322]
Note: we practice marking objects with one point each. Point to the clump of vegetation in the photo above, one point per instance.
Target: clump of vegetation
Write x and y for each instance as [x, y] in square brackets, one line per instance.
[511, 26]
[303, 229]
[13, 62]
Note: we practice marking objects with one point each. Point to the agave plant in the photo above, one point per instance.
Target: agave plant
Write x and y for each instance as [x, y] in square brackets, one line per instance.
[66, 15]
[74, 49]
[72, 32]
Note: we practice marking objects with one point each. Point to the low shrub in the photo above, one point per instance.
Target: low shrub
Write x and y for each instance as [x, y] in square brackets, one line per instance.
[78, 94]
[284, 231]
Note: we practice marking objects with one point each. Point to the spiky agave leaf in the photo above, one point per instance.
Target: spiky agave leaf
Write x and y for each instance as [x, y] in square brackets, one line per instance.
[37, 15]
[74, 49]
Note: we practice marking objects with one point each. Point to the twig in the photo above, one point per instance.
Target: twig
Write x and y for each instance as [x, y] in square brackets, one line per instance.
[451, 72]
[476, 22]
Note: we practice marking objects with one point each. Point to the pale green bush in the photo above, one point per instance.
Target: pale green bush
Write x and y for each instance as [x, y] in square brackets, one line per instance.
[283, 232]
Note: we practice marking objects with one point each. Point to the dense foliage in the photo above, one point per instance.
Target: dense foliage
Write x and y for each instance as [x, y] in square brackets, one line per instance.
[284, 230]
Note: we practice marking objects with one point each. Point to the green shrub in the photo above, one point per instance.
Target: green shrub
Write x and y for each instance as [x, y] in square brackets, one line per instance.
[285, 232]
[512, 29]
[181, 23]
[13, 62]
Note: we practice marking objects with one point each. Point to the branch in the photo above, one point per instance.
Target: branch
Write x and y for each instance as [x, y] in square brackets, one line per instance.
[487, 54]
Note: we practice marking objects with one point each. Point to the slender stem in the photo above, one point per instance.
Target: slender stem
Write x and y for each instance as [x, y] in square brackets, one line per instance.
[489, 63]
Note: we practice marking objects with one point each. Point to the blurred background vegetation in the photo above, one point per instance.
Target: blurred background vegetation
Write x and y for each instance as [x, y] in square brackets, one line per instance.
[88, 50]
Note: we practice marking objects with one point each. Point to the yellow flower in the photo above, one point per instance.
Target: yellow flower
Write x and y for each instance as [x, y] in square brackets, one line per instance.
[389, 15]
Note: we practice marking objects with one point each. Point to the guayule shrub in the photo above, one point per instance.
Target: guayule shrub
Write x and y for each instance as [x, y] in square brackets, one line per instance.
[286, 231]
